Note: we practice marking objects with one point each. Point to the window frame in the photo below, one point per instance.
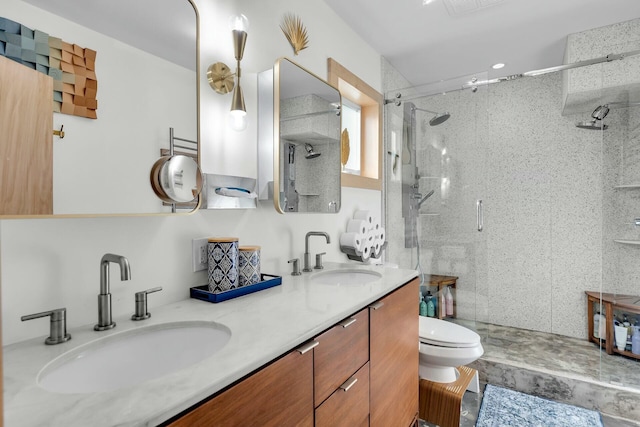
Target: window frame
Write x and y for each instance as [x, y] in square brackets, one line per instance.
[371, 102]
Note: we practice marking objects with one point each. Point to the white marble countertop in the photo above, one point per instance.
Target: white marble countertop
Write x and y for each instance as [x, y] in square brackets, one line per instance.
[264, 325]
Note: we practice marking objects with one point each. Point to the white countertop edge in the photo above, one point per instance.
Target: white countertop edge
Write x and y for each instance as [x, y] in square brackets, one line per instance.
[269, 323]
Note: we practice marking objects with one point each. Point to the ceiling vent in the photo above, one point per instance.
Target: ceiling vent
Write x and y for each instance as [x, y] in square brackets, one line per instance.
[464, 7]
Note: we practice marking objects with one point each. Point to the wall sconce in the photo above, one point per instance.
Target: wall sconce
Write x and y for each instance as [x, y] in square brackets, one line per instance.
[221, 79]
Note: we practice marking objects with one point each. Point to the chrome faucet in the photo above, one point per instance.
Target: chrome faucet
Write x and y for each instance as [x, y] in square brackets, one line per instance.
[104, 298]
[307, 264]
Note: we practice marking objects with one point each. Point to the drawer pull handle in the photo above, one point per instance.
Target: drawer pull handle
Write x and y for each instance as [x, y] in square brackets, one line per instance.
[348, 322]
[376, 305]
[308, 346]
[349, 383]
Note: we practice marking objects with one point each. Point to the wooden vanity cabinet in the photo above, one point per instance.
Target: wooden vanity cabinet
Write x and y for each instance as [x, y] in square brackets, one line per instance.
[341, 373]
[280, 394]
[348, 406]
[393, 358]
[341, 351]
[361, 372]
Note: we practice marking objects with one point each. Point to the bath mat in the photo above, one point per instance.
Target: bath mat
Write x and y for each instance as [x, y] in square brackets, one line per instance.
[502, 407]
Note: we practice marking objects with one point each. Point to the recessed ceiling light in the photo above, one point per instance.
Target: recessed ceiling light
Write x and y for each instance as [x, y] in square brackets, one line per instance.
[497, 66]
[426, 2]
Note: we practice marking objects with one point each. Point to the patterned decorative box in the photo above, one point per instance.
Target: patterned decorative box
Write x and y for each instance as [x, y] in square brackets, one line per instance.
[202, 292]
[249, 265]
[223, 271]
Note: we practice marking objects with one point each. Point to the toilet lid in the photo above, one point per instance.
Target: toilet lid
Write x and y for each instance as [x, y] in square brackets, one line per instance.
[446, 334]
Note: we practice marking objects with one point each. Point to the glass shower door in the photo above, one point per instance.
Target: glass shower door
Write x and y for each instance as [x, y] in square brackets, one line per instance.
[442, 161]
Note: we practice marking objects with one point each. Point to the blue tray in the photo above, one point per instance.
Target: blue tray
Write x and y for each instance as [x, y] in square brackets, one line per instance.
[202, 292]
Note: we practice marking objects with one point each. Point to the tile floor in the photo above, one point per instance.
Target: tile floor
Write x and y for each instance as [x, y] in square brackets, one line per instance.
[557, 357]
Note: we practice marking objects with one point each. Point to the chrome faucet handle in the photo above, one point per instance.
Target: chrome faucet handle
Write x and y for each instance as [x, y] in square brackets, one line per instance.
[319, 265]
[57, 325]
[296, 266]
[141, 304]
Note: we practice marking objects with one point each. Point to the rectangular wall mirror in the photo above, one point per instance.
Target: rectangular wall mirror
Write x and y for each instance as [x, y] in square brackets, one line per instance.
[147, 73]
[306, 117]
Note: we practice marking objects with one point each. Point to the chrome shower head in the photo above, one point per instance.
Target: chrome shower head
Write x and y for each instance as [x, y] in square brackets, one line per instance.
[439, 118]
[310, 153]
[592, 125]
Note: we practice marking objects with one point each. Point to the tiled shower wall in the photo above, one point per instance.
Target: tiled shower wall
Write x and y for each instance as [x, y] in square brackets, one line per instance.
[540, 181]
[550, 210]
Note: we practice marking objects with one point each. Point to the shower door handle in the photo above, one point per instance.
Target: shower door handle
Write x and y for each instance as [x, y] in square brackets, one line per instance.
[479, 215]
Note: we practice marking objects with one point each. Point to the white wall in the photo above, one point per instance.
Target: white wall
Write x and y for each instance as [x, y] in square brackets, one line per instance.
[54, 263]
[139, 97]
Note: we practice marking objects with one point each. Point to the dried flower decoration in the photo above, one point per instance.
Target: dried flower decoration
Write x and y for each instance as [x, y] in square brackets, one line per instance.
[295, 32]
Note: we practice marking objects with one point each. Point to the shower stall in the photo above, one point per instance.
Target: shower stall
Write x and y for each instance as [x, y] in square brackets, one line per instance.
[528, 192]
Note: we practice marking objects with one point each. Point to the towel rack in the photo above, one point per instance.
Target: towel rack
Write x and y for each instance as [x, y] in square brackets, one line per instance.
[172, 144]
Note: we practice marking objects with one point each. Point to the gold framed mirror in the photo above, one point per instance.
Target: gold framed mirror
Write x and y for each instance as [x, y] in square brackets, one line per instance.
[306, 141]
[147, 67]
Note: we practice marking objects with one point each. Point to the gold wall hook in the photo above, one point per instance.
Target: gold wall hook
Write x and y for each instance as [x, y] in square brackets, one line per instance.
[59, 133]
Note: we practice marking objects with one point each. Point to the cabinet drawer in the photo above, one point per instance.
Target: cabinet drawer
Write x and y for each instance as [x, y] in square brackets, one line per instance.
[277, 395]
[349, 404]
[343, 349]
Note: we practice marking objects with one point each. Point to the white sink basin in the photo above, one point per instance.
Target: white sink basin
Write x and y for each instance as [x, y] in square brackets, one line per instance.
[133, 357]
[346, 277]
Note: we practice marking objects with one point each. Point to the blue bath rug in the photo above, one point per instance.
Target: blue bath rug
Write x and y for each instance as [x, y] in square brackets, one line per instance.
[502, 407]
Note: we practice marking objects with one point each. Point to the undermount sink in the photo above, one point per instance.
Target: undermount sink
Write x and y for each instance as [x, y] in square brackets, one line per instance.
[346, 277]
[133, 357]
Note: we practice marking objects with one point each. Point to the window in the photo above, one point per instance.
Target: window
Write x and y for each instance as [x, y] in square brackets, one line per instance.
[362, 118]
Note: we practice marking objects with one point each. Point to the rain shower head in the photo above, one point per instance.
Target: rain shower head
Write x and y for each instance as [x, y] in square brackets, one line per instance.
[310, 153]
[592, 125]
[439, 118]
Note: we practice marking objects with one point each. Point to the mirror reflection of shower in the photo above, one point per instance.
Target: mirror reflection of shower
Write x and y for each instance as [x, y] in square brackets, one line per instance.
[311, 154]
[290, 195]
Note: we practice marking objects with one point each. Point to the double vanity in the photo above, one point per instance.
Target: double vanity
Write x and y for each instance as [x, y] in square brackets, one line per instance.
[331, 346]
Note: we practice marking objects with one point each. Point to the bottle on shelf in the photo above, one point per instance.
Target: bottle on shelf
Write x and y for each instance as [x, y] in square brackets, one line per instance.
[449, 302]
[423, 306]
[599, 326]
[431, 308]
[635, 341]
[627, 324]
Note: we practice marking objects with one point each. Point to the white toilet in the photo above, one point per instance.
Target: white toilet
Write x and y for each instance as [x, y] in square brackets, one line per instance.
[443, 346]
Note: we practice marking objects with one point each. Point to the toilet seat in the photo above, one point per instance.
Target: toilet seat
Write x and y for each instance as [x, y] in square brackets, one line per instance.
[446, 334]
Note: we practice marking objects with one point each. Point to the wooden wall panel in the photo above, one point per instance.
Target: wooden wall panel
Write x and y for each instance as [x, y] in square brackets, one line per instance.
[26, 137]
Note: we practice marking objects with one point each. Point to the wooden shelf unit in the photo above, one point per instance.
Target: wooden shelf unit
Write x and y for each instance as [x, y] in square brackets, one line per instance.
[610, 303]
[442, 282]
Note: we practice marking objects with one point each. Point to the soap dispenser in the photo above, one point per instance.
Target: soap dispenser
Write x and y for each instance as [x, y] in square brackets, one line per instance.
[423, 306]
[431, 307]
